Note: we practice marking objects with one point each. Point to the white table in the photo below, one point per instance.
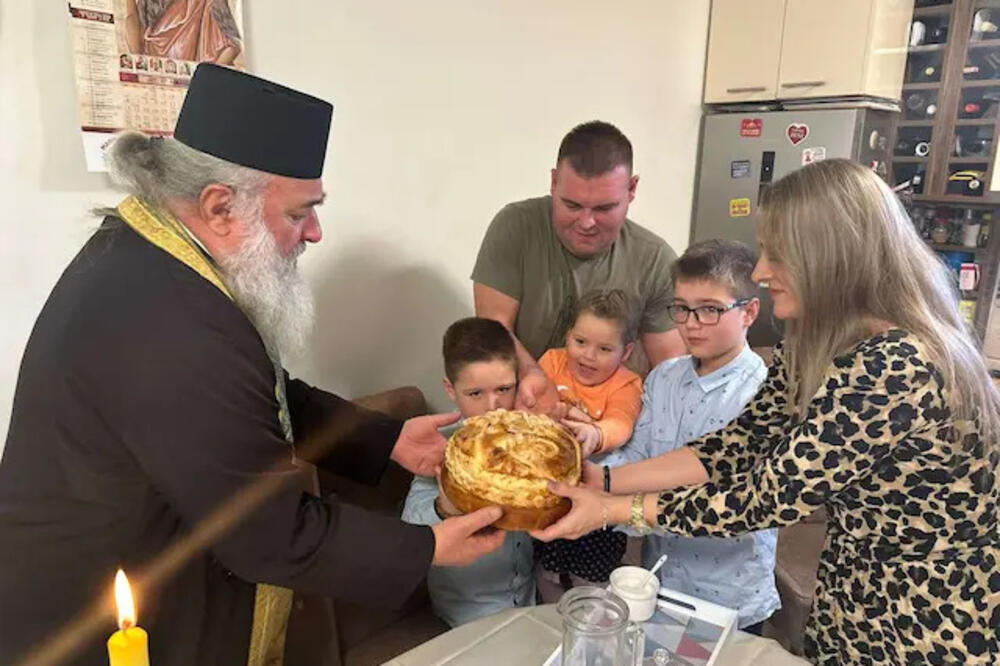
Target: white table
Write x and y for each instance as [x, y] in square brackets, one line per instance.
[527, 636]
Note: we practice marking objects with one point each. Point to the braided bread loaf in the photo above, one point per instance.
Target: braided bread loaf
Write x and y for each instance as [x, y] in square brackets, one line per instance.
[506, 459]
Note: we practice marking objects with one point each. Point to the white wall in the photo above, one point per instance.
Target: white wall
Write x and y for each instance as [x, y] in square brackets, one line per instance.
[445, 110]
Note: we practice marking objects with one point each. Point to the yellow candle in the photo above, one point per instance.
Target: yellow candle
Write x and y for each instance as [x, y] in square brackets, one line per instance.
[128, 645]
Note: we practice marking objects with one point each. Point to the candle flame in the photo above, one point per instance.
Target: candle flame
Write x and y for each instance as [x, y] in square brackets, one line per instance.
[124, 601]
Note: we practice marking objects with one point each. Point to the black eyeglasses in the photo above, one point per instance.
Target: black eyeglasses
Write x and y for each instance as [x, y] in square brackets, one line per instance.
[705, 314]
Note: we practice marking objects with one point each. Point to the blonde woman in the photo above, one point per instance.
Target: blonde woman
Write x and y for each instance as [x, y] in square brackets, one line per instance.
[878, 406]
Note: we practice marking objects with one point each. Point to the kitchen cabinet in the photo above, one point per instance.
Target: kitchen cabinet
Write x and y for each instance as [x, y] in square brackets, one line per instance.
[762, 50]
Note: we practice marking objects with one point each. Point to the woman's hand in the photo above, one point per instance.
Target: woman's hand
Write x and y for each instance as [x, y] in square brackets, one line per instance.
[588, 434]
[591, 509]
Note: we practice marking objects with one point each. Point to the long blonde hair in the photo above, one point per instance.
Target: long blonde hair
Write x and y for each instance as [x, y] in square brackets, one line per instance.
[853, 256]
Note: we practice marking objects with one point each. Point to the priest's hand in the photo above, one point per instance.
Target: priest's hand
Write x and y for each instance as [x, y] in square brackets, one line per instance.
[463, 540]
[420, 447]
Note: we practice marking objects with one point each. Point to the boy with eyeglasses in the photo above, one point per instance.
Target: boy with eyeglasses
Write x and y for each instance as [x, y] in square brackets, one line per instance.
[715, 303]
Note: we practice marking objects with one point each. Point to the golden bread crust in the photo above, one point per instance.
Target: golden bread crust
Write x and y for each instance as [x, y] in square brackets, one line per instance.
[507, 459]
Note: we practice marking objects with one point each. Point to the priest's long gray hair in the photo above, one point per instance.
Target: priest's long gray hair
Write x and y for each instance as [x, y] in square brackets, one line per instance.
[163, 169]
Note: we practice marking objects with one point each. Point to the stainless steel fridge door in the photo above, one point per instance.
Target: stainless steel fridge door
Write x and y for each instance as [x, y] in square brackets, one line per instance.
[743, 153]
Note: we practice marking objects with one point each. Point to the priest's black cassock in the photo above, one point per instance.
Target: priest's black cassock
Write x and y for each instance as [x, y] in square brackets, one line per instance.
[146, 399]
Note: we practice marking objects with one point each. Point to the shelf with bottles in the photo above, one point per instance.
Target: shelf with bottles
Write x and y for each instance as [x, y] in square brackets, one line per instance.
[967, 178]
[953, 229]
[982, 64]
[929, 31]
[960, 235]
[920, 105]
[923, 65]
[982, 61]
[945, 139]
[973, 142]
[979, 102]
[985, 22]
[913, 143]
[911, 177]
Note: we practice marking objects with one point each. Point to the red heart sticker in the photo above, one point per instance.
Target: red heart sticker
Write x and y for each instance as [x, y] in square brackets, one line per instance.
[797, 132]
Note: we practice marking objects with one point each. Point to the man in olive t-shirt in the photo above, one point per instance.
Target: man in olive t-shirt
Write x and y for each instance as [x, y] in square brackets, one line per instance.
[540, 255]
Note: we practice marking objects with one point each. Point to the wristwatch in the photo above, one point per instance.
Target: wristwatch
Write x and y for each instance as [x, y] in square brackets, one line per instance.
[638, 520]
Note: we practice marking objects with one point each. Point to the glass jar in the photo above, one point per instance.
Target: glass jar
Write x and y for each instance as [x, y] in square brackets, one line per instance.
[596, 630]
[941, 231]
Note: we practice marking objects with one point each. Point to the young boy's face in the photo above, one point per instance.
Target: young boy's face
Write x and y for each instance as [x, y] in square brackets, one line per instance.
[711, 341]
[483, 386]
[595, 349]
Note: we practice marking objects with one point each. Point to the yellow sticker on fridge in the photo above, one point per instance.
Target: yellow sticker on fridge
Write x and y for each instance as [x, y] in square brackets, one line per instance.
[739, 207]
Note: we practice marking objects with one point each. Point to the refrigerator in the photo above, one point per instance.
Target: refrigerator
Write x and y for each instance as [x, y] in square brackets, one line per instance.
[741, 153]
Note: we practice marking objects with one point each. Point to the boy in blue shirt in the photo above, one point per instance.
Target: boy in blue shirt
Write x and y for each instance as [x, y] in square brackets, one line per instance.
[715, 302]
[480, 366]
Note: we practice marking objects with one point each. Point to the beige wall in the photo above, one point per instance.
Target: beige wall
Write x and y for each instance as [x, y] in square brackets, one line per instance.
[445, 110]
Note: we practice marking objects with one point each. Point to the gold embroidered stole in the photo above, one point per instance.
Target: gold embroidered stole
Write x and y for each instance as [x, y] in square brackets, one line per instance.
[272, 604]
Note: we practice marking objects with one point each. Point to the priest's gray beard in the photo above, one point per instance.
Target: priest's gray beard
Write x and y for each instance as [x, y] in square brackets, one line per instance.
[267, 286]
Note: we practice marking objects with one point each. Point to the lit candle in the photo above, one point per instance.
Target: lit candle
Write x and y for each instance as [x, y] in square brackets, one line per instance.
[127, 646]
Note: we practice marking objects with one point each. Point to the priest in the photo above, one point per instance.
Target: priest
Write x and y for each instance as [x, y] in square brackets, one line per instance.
[153, 426]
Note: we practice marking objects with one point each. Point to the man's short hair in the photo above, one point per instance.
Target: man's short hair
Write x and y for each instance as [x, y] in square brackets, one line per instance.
[476, 339]
[613, 305]
[595, 148]
[725, 262]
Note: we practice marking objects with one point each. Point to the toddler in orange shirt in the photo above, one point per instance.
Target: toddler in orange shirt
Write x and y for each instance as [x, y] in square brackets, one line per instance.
[603, 396]
[601, 402]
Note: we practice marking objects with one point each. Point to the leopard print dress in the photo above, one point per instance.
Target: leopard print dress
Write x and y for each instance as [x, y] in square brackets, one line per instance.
[910, 571]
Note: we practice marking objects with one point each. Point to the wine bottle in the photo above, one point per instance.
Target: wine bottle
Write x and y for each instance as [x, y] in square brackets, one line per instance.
[978, 147]
[916, 105]
[972, 110]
